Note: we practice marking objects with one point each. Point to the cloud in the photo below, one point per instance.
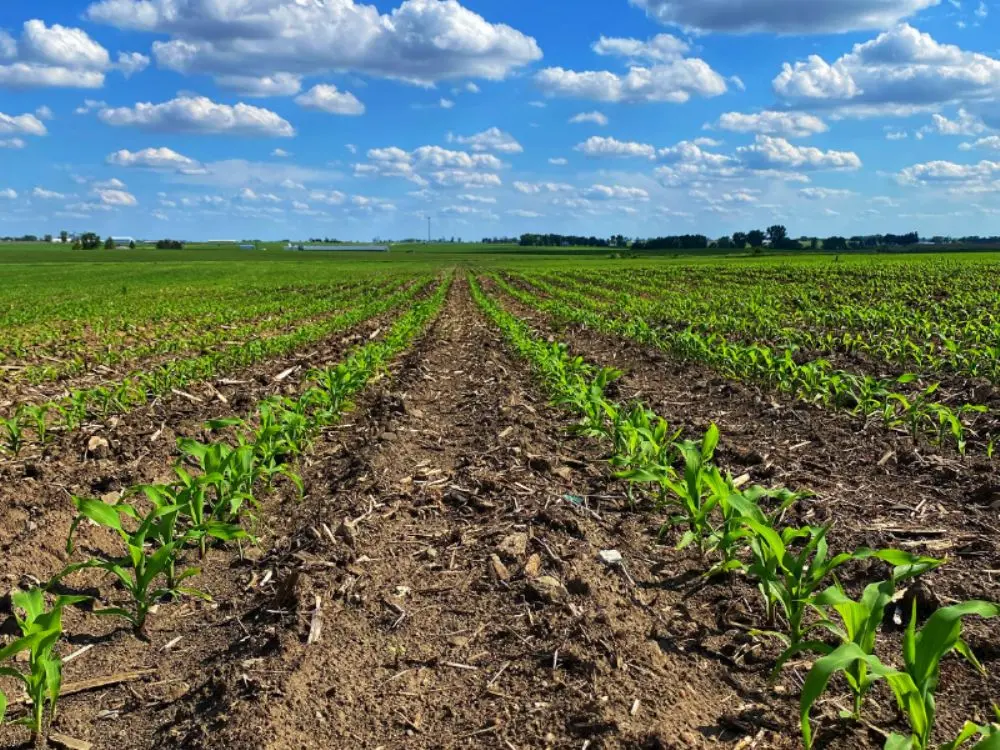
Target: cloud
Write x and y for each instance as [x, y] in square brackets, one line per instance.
[597, 118]
[326, 98]
[675, 82]
[965, 123]
[89, 105]
[781, 16]
[446, 103]
[661, 48]
[48, 195]
[415, 165]
[8, 194]
[113, 184]
[558, 162]
[823, 194]
[21, 125]
[258, 87]
[466, 179]
[787, 124]
[777, 153]
[421, 41]
[947, 172]
[13, 143]
[116, 197]
[330, 197]
[152, 158]
[280, 153]
[896, 135]
[991, 142]
[901, 72]
[477, 198]
[44, 113]
[615, 192]
[492, 139]
[248, 194]
[59, 56]
[533, 188]
[598, 146]
[199, 114]
[524, 214]
[130, 63]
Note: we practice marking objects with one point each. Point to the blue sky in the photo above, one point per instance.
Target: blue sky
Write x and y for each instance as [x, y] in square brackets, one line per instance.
[300, 118]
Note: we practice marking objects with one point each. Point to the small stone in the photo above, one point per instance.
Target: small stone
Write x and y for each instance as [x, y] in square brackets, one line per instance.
[544, 589]
[111, 498]
[611, 557]
[430, 554]
[346, 532]
[98, 447]
[499, 569]
[514, 546]
[534, 566]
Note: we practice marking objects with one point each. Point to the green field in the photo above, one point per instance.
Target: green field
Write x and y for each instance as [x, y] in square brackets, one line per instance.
[611, 454]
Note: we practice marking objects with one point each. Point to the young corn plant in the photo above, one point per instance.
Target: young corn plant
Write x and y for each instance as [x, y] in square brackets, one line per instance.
[12, 433]
[40, 630]
[860, 621]
[916, 684]
[144, 564]
[790, 566]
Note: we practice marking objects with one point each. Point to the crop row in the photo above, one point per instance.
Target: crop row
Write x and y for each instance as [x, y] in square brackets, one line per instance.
[815, 381]
[218, 490]
[828, 314]
[199, 334]
[742, 531]
[37, 421]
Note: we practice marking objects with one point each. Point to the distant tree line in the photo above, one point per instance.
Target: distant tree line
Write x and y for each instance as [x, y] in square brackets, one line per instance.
[563, 240]
[326, 240]
[169, 245]
[674, 242]
[500, 240]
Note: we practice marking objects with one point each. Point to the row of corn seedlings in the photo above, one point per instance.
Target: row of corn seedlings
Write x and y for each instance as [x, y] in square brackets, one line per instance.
[218, 489]
[36, 422]
[815, 381]
[263, 318]
[742, 531]
[930, 314]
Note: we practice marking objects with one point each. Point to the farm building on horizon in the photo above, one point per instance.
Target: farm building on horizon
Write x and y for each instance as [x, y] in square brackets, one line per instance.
[338, 248]
[122, 241]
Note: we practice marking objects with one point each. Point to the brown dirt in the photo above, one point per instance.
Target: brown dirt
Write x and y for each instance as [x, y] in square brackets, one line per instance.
[426, 640]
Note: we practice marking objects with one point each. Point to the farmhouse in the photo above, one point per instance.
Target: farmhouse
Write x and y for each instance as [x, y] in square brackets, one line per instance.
[122, 241]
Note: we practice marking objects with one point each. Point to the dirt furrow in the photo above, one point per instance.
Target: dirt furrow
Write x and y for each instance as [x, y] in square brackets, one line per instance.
[464, 602]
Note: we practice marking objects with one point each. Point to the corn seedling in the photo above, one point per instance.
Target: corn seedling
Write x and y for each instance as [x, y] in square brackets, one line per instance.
[12, 433]
[40, 630]
[916, 685]
[143, 565]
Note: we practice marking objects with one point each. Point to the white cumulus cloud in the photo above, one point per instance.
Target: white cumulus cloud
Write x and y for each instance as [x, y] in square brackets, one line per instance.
[280, 84]
[492, 139]
[326, 98]
[598, 146]
[199, 114]
[674, 82]
[786, 124]
[777, 153]
[781, 16]
[596, 118]
[151, 158]
[420, 41]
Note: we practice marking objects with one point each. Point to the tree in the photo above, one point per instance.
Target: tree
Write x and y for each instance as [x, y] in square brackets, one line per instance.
[756, 238]
[778, 235]
[131, 245]
[835, 243]
[47, 238]
[814, 243]
[724, 243]
[64, 236]
[109, 244]
[740, 240]
[89, 241]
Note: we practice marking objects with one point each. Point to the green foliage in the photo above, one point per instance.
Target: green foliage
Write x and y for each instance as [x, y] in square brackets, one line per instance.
[40, 631]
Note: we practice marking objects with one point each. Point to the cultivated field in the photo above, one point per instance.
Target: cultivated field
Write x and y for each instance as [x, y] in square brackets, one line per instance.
[485, 499]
